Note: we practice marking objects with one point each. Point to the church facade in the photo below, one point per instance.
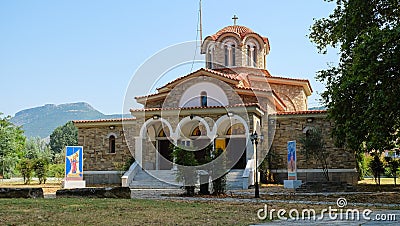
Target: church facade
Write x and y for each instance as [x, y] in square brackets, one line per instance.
[220, 106]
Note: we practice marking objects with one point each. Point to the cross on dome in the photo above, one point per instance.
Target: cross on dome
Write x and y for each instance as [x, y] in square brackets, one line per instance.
[234, 18]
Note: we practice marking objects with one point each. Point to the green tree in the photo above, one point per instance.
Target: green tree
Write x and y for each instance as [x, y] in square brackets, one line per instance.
[12, 141]
[186, 171]
[362, 91]
[66, 135]
[36, 148]
[314, 148]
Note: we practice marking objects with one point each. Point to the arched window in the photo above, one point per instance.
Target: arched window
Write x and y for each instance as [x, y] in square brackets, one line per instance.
[196, 132]
[248, 56]
[164, 132]
[161, 133]
[233, 55]
[209, 59]
[226, 55]
[230, 53]
[199, 131]
[111, 144]
[255, 57]
[252, 49]
[236, 129]
[203, 99]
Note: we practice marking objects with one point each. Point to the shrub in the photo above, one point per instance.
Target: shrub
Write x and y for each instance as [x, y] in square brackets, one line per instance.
[26, 169]
[41, 167]
[56, 170]
[362, 165]
[376, 167]
[219, 172]
[128, 163]
[392, 167]
[187, 175]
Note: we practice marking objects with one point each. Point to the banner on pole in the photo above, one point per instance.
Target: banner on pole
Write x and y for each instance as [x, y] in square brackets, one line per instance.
[291, 160]
[74, 163]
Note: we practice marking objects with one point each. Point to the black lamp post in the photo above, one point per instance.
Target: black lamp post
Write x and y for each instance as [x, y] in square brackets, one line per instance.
[254, 140]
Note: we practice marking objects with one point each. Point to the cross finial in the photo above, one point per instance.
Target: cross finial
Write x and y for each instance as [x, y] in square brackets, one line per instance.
[234, 18]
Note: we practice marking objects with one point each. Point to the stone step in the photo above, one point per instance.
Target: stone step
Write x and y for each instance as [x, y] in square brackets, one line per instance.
[155, 179]
[167, 179]
[234, 179]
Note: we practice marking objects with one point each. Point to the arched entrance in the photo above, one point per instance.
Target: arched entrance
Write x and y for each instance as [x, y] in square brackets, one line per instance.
[164, 149]
[193, 134]
[232, 137]
[148, 147]
[236, 146]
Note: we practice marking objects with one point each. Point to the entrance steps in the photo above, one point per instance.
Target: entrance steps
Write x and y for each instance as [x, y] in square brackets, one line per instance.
[234, 179]
[166, 179]
[155, 179]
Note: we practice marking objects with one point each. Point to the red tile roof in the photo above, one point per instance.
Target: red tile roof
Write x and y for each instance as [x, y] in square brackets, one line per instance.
[242, 31]
[302, 112]
[197, 107]
[104, 120]
[245, 70]
[230, 74]
[294, 79]
[239, 30]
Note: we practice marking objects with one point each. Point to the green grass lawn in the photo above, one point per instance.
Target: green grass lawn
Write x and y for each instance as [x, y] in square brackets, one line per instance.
[85, 211]
[73, 211]
[384, 181]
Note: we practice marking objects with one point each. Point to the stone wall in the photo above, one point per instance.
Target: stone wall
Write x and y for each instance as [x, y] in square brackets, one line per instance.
[341, 162]
[96, 154]
[174, 97]
[102, 177]
[293, 96]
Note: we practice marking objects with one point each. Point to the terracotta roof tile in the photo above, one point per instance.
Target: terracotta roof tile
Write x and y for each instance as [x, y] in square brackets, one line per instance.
[239, 30]
[104, 120]
[198, 107]
[245, 70]
[294, 79]
[302, 112]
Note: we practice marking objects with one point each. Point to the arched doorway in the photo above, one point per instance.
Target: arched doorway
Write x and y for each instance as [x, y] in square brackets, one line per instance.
[164, 148]
[236, 146]
[201, 143]
[193, 135]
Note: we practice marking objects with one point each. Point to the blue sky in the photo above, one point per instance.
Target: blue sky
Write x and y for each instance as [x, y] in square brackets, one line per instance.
[68, 51]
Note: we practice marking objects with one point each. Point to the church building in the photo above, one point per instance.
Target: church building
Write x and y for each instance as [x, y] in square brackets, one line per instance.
[221, 105]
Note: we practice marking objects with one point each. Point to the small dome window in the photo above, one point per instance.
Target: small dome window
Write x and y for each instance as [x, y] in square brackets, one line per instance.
[203, 99]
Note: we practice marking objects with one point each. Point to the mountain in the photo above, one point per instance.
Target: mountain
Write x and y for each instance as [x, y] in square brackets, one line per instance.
[41, 121]
[317, 108]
